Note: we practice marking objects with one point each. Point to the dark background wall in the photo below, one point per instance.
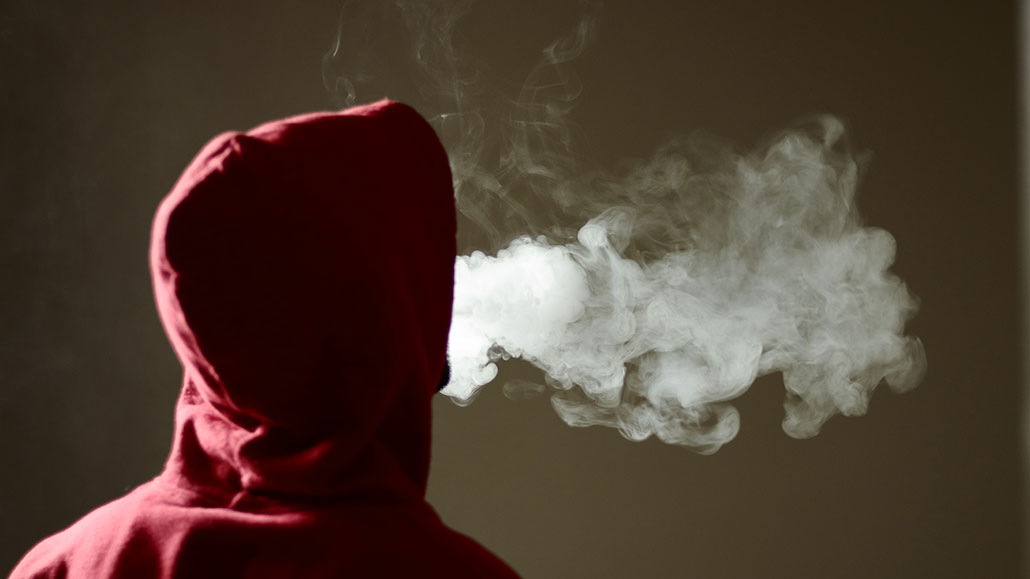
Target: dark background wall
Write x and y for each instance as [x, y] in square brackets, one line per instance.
[104, 104]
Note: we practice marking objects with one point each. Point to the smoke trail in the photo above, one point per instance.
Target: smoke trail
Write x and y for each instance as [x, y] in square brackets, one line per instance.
[687, 277]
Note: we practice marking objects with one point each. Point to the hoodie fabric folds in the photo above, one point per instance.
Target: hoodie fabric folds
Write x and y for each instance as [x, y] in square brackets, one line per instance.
[303, 272]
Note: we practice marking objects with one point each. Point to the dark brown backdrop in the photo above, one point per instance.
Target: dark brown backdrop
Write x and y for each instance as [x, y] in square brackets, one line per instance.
[103, 105]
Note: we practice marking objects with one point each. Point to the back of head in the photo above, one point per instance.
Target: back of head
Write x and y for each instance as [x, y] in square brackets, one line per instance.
[304, 272]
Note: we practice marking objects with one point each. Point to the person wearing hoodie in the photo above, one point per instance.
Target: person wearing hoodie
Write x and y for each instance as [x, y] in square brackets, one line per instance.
[303, 272]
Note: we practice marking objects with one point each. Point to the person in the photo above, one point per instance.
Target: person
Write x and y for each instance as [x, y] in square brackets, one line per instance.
[303, 272]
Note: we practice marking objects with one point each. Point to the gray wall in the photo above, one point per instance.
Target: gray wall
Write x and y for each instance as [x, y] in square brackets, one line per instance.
[104, 105]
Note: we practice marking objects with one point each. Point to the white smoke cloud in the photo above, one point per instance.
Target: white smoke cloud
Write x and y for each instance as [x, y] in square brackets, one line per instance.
[688, 276]
[788, 282]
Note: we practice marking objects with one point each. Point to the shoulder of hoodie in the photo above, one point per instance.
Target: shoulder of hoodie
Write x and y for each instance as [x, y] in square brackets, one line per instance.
[459, 550]
[486, 564]
[83, 545]
[407, 534]
[93, 545]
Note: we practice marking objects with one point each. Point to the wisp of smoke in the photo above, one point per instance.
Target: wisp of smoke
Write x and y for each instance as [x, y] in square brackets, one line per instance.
[687, 276]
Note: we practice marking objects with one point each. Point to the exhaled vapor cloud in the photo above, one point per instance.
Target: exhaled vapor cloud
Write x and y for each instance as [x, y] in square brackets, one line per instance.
[652, 298]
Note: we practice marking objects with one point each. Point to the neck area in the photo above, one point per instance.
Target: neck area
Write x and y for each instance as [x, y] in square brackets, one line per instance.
[225, 461]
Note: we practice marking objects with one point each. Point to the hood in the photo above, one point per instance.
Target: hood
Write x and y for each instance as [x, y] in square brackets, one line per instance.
[303, 272]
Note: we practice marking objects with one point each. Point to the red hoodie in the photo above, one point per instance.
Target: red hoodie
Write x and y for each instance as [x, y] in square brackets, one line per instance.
[304, 273]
